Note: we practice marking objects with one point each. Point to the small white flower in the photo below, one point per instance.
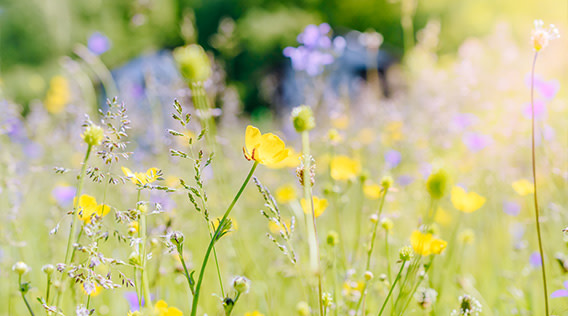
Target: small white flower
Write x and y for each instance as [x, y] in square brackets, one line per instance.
[541, 36]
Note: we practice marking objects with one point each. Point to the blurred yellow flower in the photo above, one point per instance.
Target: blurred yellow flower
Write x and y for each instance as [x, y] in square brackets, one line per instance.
[292, 161]
[161, 309]
[96, 290]
[523, 187]
[255, 313]
[285, 193]
[442, 217]
[133, 225]
[235, 225]
[276, 228]
[372, 191]
[150, 176]
[344, 168]
[87, 207]
[426, 244]
[340, 121]
[466, 202]
[58, 95]
[334, 136]
[319, 206]
[184, 141]
[392, 133]
[266, 149]
[366, 136]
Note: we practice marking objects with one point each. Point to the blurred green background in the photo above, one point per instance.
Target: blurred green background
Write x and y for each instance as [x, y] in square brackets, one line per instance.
[35, 34]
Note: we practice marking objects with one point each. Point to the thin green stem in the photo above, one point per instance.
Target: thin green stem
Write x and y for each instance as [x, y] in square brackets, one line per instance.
[411, 294]
[75, 222]
[186, 273]
[392, 288]
[374, 235]
[216, 237]
[314, 247]
[24, 296]
[537, 215]
[144, 272]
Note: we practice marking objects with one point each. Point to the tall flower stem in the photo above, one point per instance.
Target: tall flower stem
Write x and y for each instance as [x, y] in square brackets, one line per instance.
[74, 224]
[314, 247]
[537, 215]
[216, 237]
[392, 287]
[374, 234]
[144, 272]
[23, 292]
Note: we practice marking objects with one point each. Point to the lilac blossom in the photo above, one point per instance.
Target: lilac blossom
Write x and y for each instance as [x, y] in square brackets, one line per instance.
[511, 208]
[98, 43]
[476, 142]
[392, 158]
[561, 293]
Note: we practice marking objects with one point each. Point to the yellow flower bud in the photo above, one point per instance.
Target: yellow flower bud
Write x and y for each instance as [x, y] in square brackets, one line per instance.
[93, 135]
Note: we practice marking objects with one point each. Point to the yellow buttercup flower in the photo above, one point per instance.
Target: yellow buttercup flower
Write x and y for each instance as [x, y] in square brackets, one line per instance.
[255, 313]
[426, 244]
[366, 136]
[372, 191]
[286, 194]
[161, 309]
[292, 161]
[265, 149]
[523, 187]
[87, 207]
[319, 206]
[466, 202]
[442, 217]
[96, 291]
[150, 176]
[58, 95]
[344, 168]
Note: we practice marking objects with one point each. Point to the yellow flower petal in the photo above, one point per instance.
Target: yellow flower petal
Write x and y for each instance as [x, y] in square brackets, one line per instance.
[523, 187]
[344, 168]
[319, 206]
[285, 194]
[372, 191]
[466, 202]
[421, 243]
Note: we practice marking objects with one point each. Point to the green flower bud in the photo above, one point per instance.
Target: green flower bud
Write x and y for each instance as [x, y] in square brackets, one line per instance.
[368, 275]
[303, 118]
[332, 238]
[387, 224]
[176, 238]
[303, 309]
[193, 62]
[386, 182]
[93, 135]
[374, 218]
[406, 253]
[20, 268]
[241, 284]
[327, 299]
[134, 258]
[48, 269]
[437, 183]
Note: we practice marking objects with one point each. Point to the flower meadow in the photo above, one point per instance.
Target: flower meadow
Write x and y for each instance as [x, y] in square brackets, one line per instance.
[438, 189]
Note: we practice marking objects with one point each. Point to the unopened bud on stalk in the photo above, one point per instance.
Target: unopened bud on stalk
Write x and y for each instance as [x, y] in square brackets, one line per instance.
[93, 135]
[193, 62]
[387, 224]
[20, 268]
[374, 218]
[386, 182]
[303, 309]
[241, 284]
[368, 275]
[332, 238]
[303, 118]
[48, 269]
[177, 238]
[406, 253]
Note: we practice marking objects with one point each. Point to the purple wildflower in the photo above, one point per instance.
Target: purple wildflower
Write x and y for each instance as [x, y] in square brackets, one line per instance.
[561, 293]
[511, 208]
[535, 259]
[63, 194]
[98, 43]
[392, 158]
[476, 142]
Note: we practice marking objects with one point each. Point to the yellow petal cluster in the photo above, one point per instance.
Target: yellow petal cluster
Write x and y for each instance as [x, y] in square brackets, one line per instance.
[255, 313]
[344, 168]
[266, 149]
[466, 202]
[150, 176]
[285, 194]
[319, 206]
[58, 95]
[87, 207]
[161, 309]
[426, 244]
[523, 187]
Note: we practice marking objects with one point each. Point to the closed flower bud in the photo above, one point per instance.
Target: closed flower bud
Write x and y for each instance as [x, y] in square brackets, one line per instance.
[437, 183]
[374, 218]
[386, 182]
[406, 253]
[143, 208]
[48, 269]
[327, 299]
[193, 62]
[20, 268]
[134, 258]
[93, 135]
[387, 224]
[241, 284]
[176, 238]
[368, 275]
[303, 309]
[332, 238]
[303, 118]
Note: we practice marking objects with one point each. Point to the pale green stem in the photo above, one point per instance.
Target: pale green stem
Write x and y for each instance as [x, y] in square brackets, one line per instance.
[314, 247]
[74, 224]
[215, 238]
[24, 296]
[144, 272]
[537, 214]
[392, 287]
[374, 235]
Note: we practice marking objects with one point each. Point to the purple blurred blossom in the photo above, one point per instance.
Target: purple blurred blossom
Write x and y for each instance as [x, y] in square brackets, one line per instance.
[63, 194]
[464, 120]
[534, 259]
[511, 208]
[98, 43]
[561, 293]
[392, 158]
[132, 299]
[425, 170]
[405, 180]
[547, 89]
[476, 142]
[315, 51]
[539, 109]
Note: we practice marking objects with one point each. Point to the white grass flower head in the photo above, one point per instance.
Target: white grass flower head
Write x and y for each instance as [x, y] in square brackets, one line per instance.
[469, 306]
[241, 284]
[541, 36]
[20, 268]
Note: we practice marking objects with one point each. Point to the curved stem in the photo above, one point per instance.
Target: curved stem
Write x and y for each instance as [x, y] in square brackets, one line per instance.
[374, 235]
[144, 272]
[537, 215]
[214, 239]
[392, 288]
[24, 296]
[186, 273]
